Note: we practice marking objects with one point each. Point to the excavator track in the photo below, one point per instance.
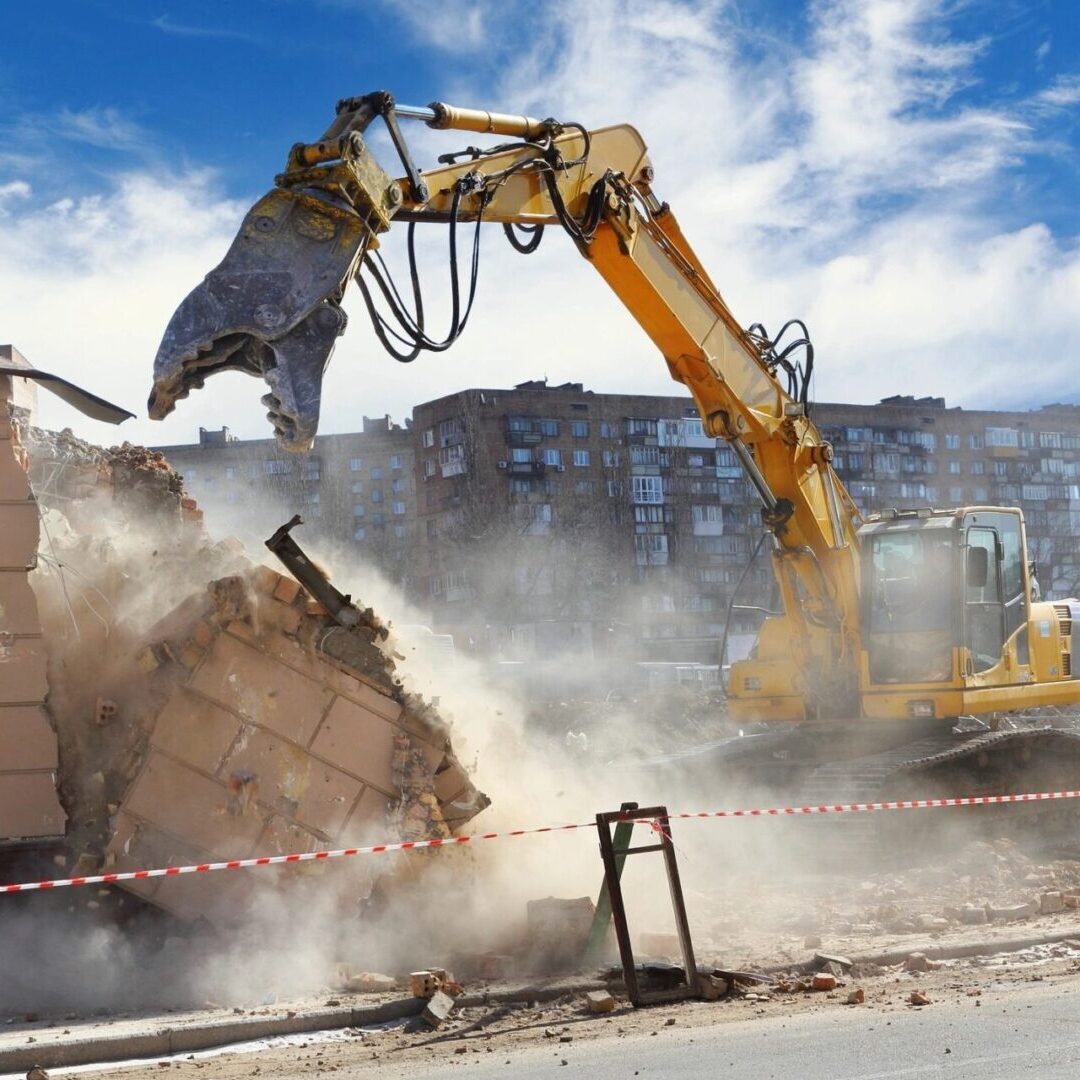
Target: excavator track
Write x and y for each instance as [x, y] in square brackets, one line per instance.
[978, 763]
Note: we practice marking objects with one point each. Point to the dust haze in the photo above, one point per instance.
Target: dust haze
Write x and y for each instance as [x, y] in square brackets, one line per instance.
[749, 884]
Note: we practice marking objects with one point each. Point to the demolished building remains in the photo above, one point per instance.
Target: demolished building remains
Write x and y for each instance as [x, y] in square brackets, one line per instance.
[166, 700]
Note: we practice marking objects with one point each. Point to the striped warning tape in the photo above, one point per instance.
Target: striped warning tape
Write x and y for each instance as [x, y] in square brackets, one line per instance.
[419, 845]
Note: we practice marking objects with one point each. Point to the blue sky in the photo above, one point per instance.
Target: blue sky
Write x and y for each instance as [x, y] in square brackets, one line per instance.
[903, 173]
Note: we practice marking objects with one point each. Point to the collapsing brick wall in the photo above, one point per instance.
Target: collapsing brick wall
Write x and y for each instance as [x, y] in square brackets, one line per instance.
[30, 810]
[242, 722]
[267, 745]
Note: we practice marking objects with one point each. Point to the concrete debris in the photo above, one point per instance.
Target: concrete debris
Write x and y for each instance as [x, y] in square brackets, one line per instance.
[917, 997]
[1050, 903]
[918, 961]
[712, 987]
[856, 997]
[199, 705]
[1012, 914]
[823, 981]
[438, 1009]
[600, 1001]
[36, 1072]
[837, 965]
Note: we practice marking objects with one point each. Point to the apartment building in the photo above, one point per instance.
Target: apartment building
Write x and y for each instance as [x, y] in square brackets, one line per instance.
[908, 452]
[356, 489]
[553, 519]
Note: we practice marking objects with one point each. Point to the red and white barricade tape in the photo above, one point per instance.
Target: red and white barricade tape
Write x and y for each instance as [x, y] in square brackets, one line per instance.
[420, 845]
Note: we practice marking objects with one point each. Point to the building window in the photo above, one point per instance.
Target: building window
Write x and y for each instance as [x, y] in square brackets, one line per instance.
[954, 468]
[611, 459]
[583, 487]
[579, 429]
[519, 486]
[378, 519]
[978, 468]
[694, 428]
[648, 489]
[887, 463]
[395, 461]
[651, 549]
[975, 442]
[856, 460]
[376, 472]
[230, 472]
[358, 511]
[1001, 436]
[553, 456]
[355, 464]
[399, 532]
[1001, 468]
[376, 495]
[979, 495]
[521, 455]
[435, 585]
[428, 438]
[450, 431]
[192, 474]
[607, 430]
[952, 442]
[644, 455]
[360, 533]
[613, 489]
[276, 467]
[1036, 492]
[397, 485]
[710, 514]
[429, 467]
[649, 515]
[956, 495]
[581, 459]
[398, 508]
[641, 426]
[549, 427]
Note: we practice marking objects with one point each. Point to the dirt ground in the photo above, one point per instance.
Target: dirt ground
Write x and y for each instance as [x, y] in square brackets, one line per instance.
[560, 1026]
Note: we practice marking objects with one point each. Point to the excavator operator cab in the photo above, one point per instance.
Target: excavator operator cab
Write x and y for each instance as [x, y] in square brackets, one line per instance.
[935, 582]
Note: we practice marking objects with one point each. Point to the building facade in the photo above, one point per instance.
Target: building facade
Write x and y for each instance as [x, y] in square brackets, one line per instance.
[358, 489]
[549, 520]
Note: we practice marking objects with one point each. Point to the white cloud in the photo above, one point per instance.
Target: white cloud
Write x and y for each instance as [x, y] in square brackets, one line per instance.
[167, 25]
[1062, 92]
[101, 126]
[15, 189]
[840, 180]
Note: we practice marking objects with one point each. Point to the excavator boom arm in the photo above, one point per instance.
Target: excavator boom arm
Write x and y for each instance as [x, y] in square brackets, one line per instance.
[272, 308]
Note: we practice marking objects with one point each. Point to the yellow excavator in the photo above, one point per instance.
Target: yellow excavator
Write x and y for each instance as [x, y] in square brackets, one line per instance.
[893, 626]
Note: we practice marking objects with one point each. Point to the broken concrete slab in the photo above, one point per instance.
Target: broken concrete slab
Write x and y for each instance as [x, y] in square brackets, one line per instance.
[438, 1009]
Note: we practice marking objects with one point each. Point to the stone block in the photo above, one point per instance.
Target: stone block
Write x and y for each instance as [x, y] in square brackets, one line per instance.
[1050, 903]
[599, 1001]
[438, 1009]
[29, 807]
[192, 808]
[359, 741]
[195, 730]
[24, 671]
[248, 681]
[27, 739]
[18, 604]
[293, 782]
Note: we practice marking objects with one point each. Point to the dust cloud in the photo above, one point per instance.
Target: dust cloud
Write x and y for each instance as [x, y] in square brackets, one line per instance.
[746, 882]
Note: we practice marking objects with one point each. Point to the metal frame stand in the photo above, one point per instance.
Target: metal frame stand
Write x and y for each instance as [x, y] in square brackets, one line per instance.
[613, 859]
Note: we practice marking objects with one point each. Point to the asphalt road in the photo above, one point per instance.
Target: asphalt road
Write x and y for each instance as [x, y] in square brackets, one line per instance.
[1033, 1033]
